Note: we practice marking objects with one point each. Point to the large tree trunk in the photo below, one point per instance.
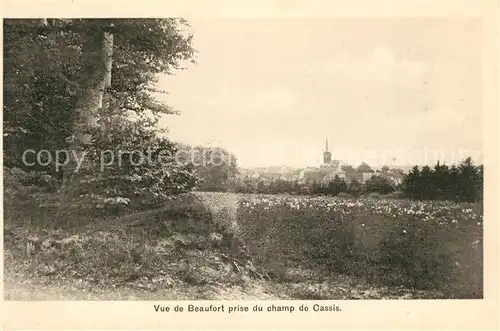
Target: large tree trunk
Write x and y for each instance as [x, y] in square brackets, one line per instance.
[98, 50]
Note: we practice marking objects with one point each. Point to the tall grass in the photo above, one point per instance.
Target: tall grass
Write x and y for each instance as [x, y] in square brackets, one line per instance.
[424, 245]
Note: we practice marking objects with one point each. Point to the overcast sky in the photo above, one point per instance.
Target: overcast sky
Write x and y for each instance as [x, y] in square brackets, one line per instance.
[270, 91]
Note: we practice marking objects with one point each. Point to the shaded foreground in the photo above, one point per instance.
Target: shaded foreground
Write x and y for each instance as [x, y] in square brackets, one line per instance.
[120, 265]
[191, 249]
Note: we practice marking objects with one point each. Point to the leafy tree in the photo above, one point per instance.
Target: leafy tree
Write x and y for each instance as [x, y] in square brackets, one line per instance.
[47, 68]
[316, 188]
[58, 83]
[215, 167]
[480, 182]
[336, 186]
[411, 183]
[427, 183]
[262, 187]
[283, 186]
[364, 167]
[355, 187]
[452, 184]
[440, 179]
[348, 168]
[463, 182]
[249, 186]
[378, 184]
[137, 163]
[302, 188]
[397, 171]
[469, 180]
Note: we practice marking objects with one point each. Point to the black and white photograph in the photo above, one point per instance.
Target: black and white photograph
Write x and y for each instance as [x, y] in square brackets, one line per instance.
[284, 159]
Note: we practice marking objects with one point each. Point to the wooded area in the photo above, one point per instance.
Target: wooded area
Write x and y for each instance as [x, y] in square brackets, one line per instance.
[77, 87]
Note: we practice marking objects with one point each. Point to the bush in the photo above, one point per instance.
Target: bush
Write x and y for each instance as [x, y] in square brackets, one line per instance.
[378, 184]
[20, 205]
[123, 187]
[41, 180]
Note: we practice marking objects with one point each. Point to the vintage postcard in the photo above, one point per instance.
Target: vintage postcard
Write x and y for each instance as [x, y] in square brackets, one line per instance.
[297, 165]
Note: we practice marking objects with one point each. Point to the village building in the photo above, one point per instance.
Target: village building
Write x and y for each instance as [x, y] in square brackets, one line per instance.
[325, 173]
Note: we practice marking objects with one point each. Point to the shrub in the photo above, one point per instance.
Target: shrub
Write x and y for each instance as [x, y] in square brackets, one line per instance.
[41, 180]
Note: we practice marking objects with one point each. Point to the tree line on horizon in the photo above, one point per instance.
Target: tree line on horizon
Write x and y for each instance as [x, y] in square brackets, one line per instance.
[461, 182]
[336, 186]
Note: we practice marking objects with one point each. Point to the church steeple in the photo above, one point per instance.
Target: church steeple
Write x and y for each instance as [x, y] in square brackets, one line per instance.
[327, 156]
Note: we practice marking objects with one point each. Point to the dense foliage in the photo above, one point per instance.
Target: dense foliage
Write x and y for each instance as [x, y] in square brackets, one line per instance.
[461, 183]
[43, 68]
[46, 68]
[215, 167]
[376, 184]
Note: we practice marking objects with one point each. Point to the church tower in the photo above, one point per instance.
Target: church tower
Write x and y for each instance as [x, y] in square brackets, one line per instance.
[327, 156]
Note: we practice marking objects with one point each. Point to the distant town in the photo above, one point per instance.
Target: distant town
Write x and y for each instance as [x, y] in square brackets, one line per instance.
[325, 172]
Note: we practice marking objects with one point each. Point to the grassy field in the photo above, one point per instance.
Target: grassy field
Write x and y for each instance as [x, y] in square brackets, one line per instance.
[235, 246]
[427, 245]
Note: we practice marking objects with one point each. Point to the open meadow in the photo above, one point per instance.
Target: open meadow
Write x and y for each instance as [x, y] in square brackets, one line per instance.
[423, 245]
[245, 246]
